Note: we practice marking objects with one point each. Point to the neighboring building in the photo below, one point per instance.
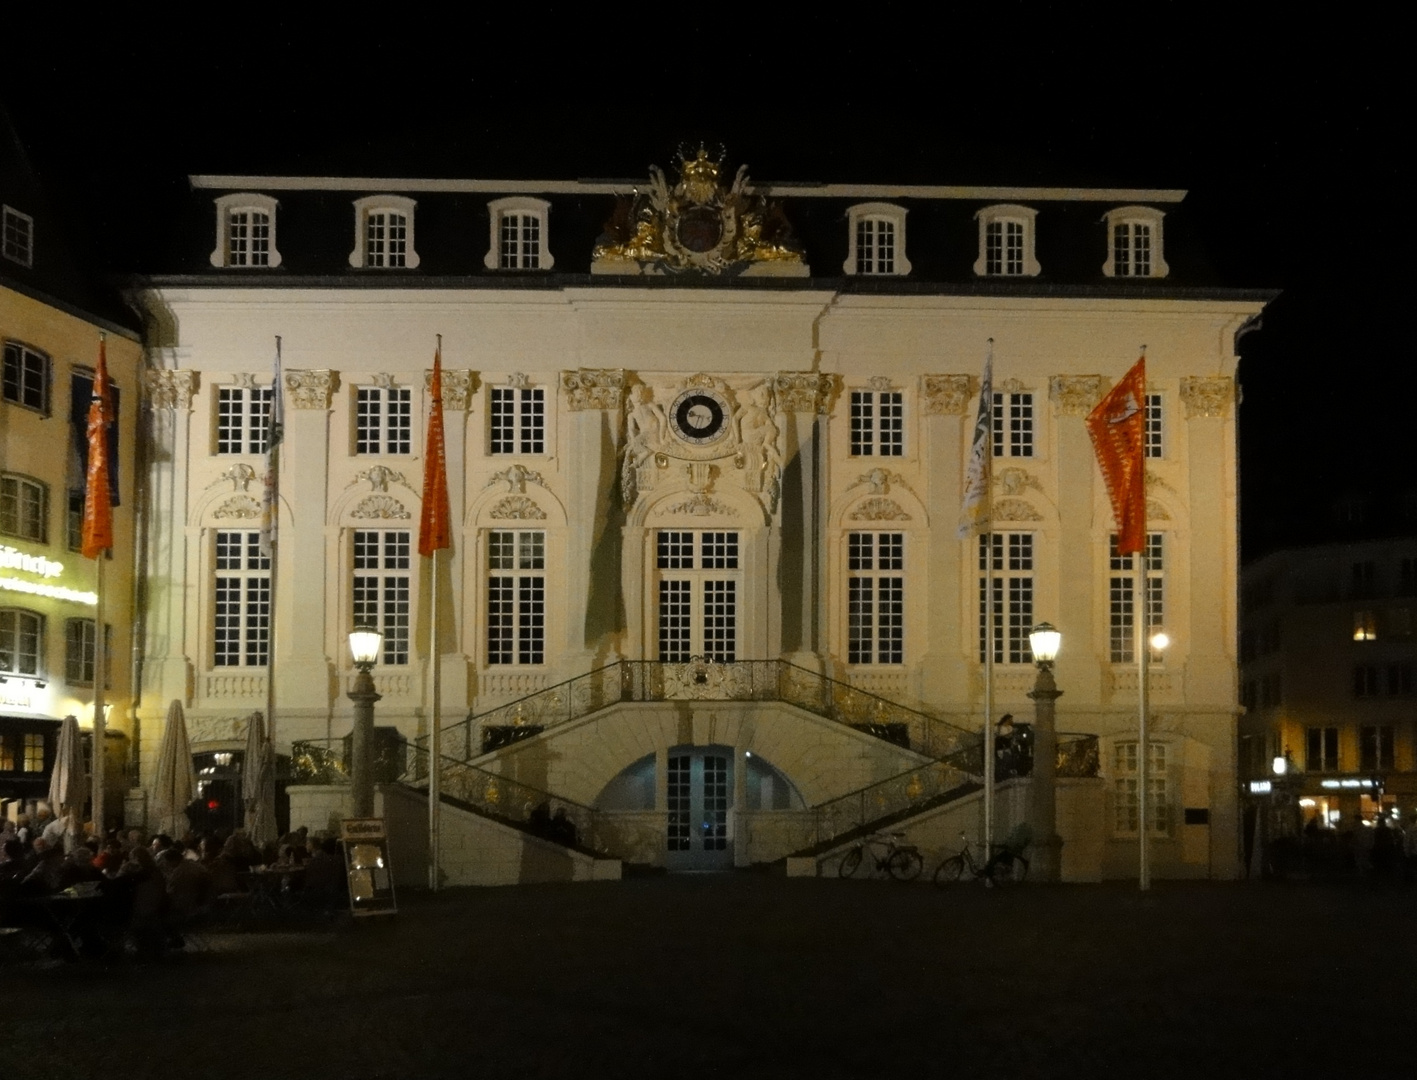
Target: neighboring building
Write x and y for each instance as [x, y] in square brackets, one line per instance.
[713, 423]
[51, 316]
[1327, 656]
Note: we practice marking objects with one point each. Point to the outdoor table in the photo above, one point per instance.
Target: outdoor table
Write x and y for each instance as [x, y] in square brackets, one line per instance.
[60, 914]
[271, 886]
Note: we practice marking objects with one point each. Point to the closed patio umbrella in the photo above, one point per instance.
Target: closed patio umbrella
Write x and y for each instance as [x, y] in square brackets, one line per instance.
[68, 784]
[175, 780]
[258, 783]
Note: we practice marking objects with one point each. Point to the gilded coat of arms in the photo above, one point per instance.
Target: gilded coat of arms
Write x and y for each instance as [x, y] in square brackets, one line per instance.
[698, 225]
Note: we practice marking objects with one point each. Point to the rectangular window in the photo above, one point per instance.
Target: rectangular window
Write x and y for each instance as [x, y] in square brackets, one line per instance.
[721, 620]
[21, 643]
[1003, 248]
[17, 236]
[384, 420]
[26, 379]
[243, 419]
[1131, 249]
[1365, 626]
[516, 597]
[248, 238]
[1013, 425]
[382, 588]
[676, 550]
[1271, 690]
[1154, 444]
[1399, 680]
[877, 423]
[521, 242]
[80, 646]
[1121, 598]
[1007, 577]
[34, 753]
[1375, 747]
[241, 601]
[697, 607]
[875, 246]
[677, 802]
[1365, 680]
[875, 609]
[386, 240]
[1126, 781]
[518, 420]
[1321, 749]
[23, 508]
[1363, 578]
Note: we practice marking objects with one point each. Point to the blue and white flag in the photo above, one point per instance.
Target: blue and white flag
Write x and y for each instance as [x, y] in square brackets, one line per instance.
[974, 515]
[271, 495]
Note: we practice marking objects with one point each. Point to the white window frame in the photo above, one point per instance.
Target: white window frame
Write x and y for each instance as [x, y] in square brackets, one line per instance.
[1005, 212]
[14, 518]
[11, 636]
[80, 652]
[17, 236]
[516, 605]
[374, 433]
[877, 212]
[497, 209]
[510, 433]
[706, 572]
[247, 583]
[1014, 425]
[1126, 808]
[873, 433]
[875, 598]
[1154, 433]
[1011, 571]
[1121, 598]
[381, 589]
[17, 352]
[372, 206]
[243, 419]
[237, 203]
[1135, 215]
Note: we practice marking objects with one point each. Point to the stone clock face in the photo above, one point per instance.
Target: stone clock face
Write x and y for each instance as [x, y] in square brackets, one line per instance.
[699, 416]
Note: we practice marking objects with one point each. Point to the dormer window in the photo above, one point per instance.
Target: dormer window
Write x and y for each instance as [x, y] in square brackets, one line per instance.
[383, 233]
[1134, 243]
[1006, 242]
[17, 236]
[518, 238]
[246, 232]
[876, 240]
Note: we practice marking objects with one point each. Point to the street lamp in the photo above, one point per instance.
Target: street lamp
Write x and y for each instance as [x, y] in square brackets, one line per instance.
[364, 644]
[1045, 641]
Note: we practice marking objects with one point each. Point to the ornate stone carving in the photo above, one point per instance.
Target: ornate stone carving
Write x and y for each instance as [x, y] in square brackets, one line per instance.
[702, 679]
[379, 508]
[879, 509]
[701, 476]
[383, 380]
[458, 386]
[245, 380]
[219, 729]
[592, 388]
[1015, 510]
[947, 395]
[1014, 481]
[1207, 395]
[702, 505]
[1075, 395]
[697, 226]
[803, 391]
[238, 506]
[1156, 512]
[880, 382]
[519, 379]
[239, 476]
[171, 389]
[759, 455]
[646, 429]
[1010, 386]
[878, 480]
[516, 508]
[516, 477]
[311, 389]
[380, 477]
[1153, 480]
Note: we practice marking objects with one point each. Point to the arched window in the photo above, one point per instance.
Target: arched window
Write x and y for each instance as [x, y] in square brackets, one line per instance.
[383, 233]
[246, 232]
[1006, 242]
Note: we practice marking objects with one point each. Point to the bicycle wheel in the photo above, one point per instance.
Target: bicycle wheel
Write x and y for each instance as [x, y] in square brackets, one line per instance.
[850, 862]
[905, 864]
[950, 871]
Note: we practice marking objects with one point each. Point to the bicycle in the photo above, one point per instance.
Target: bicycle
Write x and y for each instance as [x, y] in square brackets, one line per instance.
[1006, 866]
[901, 861]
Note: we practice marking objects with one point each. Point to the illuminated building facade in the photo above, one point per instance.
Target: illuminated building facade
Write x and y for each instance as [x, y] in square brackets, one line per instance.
[707, 436]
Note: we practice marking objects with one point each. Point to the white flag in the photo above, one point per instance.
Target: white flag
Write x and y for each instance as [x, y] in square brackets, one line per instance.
[974, 516]
[271, 496]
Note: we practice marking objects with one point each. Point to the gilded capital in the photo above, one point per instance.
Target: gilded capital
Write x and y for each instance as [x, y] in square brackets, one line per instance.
[803, 391]
[593, 388]
[1075, 395]
[1207, 395]
[171, 388]
[947, 395]
[458, 387]
[311, 389]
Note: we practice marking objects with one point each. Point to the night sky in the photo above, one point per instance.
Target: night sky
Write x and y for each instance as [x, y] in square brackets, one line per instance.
[1287, 139]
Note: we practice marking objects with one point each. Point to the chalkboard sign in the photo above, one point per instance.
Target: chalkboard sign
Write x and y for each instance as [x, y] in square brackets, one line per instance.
[366, 863]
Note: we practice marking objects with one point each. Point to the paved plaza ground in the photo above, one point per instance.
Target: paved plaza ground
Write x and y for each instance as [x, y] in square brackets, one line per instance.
[748, 975]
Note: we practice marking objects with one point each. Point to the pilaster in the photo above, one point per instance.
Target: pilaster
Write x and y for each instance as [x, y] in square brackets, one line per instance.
[803, 398]
[945, 667]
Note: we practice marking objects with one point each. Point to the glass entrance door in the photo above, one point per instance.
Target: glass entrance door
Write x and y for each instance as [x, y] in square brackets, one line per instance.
[699, 833]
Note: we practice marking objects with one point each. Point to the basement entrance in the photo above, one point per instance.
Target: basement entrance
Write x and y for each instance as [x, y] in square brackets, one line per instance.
[699, 802]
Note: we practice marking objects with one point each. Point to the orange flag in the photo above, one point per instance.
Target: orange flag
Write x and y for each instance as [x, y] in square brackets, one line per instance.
[98, 507]
[1118, 430]
[433, 528]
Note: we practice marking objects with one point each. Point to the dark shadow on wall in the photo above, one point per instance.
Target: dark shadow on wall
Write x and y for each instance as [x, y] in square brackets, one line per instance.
[605, 607]
[791, 553]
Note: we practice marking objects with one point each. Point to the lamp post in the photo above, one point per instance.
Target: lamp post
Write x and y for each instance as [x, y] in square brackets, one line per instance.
[1045, 640]
[364, 644]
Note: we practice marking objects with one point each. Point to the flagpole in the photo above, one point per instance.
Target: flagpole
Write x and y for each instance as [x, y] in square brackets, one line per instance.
[100, 723]
[989, 619]
[1143, 680]
[434, 533]
[96, 541]
[274, 438]
[435, 747]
